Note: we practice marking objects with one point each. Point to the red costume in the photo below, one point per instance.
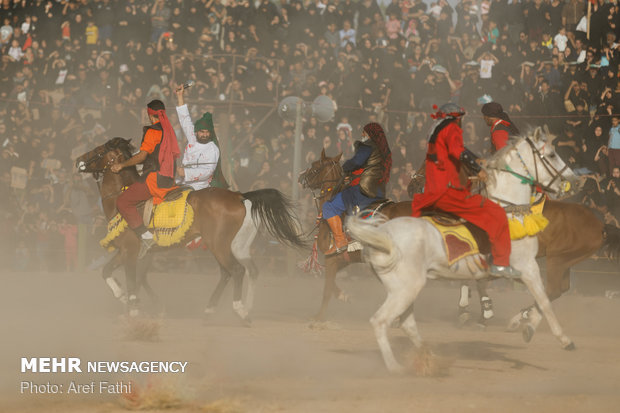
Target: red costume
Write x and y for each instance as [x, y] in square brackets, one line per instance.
[500, 133]
[444, 191]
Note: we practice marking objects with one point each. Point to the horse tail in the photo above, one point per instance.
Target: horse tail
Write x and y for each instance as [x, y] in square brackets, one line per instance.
[271, 208]
[611, 243]
[368, 233]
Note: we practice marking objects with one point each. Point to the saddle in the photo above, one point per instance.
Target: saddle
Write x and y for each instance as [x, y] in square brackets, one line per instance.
[173, 195]
[461, 238]
[170, 220]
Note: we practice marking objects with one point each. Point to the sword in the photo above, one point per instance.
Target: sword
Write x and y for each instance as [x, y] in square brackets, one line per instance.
[197, 164]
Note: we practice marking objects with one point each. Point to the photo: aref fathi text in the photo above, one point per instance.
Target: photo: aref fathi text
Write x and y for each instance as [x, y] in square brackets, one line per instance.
[75, 365]
[100, 387]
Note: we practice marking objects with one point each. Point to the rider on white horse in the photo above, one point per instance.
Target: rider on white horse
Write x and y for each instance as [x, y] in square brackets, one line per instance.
[443, 190]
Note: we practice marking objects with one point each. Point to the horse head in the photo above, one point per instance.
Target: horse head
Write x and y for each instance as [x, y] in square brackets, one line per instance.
[100, 158]
[323, 171]
[549, 168]
[532, 159]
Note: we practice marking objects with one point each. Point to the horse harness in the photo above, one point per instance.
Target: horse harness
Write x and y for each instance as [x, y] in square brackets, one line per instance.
[533, 181]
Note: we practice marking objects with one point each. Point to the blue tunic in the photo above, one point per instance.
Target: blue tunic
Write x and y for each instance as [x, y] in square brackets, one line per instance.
[352, 196]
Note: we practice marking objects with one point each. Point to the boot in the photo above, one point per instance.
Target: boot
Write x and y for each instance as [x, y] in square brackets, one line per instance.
[340, 240]
[505, 271]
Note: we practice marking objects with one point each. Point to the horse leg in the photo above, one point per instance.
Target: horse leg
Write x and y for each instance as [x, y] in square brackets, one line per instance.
[410, 327]
[132, 290]
[251, 271]
[233, 268]
[106, 274]
[464, 314]
[237, 272]
[329, 286]
[531, 278]
[240, 248]
[402, 292]
[143, 281]
[558, 281]
[219, 289]
[486, 304]
[558, 276]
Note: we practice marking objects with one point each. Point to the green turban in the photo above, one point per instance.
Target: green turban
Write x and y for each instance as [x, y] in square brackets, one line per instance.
[206, 122]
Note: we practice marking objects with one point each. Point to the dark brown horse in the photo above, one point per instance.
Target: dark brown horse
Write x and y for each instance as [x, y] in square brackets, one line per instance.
[327, 176]
[227, 222]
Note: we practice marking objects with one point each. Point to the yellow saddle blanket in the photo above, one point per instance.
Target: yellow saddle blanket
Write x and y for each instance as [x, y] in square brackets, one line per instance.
[457, 239]
[170, 222]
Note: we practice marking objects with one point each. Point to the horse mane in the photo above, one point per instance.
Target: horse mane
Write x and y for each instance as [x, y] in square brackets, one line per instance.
[498, 159]
[124, 145]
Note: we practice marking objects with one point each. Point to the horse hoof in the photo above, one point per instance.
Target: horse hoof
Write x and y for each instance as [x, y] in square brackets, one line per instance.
[345, 298]
[528, 333]
[481, 324]
[464, 318]
[209, 311]
[246, 322]
[570, 347]
[134, 312]
[513, 326]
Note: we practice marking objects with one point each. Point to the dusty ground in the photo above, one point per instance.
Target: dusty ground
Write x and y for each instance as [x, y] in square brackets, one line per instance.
[283, 365]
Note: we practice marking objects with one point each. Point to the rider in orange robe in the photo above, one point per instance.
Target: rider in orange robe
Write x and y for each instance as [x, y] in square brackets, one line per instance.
[158, 151]
[443, 190]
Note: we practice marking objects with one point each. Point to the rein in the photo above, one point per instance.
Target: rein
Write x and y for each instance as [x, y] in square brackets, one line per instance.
[529, 180]
[98, 174]
[325, 191]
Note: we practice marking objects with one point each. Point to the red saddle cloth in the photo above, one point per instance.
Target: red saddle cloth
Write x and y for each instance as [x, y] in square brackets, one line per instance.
[459, 241]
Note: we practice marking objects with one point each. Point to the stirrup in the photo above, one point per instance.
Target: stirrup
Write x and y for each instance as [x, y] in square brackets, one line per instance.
[337, 251]
[505, 271]
[145, 245]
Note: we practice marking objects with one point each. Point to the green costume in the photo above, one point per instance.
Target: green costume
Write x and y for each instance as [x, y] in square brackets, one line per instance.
[206, 122]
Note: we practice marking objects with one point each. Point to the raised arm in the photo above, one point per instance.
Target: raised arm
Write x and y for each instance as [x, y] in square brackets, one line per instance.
[184, 117]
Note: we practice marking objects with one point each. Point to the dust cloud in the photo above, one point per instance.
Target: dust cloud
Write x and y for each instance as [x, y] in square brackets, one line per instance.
[282, 364]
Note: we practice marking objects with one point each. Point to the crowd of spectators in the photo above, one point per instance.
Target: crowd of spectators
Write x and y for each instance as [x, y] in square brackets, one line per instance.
[75, 73]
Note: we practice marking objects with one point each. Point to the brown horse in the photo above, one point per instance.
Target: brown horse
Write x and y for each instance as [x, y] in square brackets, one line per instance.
[326, 175]
[227, 222]
[574, 233]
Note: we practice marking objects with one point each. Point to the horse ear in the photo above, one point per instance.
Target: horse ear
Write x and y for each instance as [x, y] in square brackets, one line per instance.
[337, 157]
[537, 134]
[323, 154]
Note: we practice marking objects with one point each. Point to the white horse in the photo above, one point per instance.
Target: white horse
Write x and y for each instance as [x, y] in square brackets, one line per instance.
[405, 252]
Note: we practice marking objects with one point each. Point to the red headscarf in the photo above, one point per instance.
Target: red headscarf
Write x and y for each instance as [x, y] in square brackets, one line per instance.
[377, 135]
[169, 147]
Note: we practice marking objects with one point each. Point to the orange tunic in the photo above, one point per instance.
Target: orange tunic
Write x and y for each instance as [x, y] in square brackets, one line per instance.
[152, 138]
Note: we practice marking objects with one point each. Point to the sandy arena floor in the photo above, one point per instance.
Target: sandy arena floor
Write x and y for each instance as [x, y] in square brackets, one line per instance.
[281, 364]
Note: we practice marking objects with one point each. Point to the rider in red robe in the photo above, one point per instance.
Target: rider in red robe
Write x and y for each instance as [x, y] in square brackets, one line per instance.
[443, 190]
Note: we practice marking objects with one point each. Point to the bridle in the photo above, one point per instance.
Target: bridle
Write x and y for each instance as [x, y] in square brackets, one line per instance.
[533, 180]
[551, 170]
[98, 173]
[327, 190]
